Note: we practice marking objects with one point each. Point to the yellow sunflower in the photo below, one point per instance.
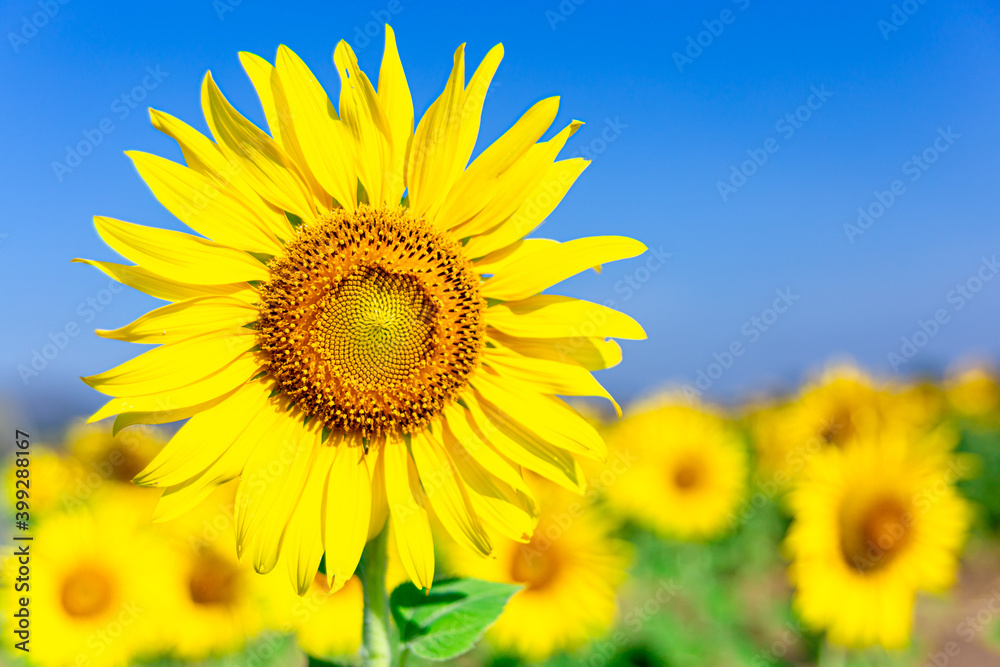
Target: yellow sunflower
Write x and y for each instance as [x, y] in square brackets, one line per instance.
[570, 570]
[843, 406]
[118, 457]
[874, 524]
[350, 351]
[974, 392]
[96, 586]
[221, 603]
[677, 470]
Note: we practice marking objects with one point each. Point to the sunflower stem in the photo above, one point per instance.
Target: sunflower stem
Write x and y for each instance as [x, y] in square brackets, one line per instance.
[376, 650]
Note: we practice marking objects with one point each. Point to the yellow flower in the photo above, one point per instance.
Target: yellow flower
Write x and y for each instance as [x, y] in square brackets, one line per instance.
[221, 603]
[681, 472]
[328, 623]
[974, 391]
[873, 525]
[570, 570]
[118, 457]
[51, 480]
[345, 349]
[843, 407]
[97, 586]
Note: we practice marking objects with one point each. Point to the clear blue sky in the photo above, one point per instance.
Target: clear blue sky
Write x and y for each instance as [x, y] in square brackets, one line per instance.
[663, 130]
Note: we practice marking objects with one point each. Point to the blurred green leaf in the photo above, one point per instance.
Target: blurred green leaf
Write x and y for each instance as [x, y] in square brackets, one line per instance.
[448, 620]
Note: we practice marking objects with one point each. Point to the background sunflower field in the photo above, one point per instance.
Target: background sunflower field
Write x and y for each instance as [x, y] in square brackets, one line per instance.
[807, 469]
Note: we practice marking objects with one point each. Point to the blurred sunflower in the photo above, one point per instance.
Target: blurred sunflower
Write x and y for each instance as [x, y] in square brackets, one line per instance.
[845, 405]
[222, 603]
[974, 392]
[98, 586]
[118, 457]
[328, 623]
[375, 350]
[873, 525]
[570, 570]
[52, 481]
[682, 471]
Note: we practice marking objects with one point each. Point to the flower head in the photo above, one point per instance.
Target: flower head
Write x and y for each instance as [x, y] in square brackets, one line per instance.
[358, 331]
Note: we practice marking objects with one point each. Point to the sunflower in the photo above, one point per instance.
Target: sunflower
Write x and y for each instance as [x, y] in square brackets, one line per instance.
[678, 470]
[974, 392]
[118, 457]
[873, 525]
[52, 479]
[97, 586]
[361, 332]
[570, 570]
[221, 602]
[843, 406]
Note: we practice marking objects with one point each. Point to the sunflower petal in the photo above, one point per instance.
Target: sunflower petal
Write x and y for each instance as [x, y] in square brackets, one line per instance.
[552, 264]
[186, 319]
[178, 256]
[348, 513]
[408, 510]
[447, 493]
[362, 115]
[321, 136]
[159, 287]
[535, 208]
[302, 545]
[594, 354]
[260, 159]
[394, 94]
[552, 316]
[173, 365]
[211, 387]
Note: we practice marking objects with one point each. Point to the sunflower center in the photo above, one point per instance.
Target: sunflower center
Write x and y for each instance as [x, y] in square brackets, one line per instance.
[87, 592]
[688, 475]
[839, 429]
[213, 581]
[533, 566]
[372, 321]
[875, 537]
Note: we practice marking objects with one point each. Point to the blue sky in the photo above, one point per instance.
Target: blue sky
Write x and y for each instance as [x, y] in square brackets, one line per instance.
[736, 138]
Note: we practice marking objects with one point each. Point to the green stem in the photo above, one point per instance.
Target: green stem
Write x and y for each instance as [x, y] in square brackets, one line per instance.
[375, 650]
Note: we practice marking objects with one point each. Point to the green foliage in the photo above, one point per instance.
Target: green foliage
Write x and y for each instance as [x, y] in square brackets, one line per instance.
[448, 620]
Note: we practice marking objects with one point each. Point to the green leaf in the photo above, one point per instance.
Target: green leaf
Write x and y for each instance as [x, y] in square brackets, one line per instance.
[448, 620]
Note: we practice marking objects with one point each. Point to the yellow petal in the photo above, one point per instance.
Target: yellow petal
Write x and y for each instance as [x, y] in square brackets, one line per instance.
[260, 71]
[394, 93]
[551, 264]
[478, 184]
[204, 437]
[535, 208]
[173, 365]
[545, 375]
[159, 287]
[202, 205]
[280, 451]
[321, 136]
[553, 316]
[348, 512]
[302, 545]
[511, 512]
[512, 441]
[185, 319]
[446, 135]
[549, 418]
[408, 510]
[211, 387]
[447, 493]
[362, 114]
[514, 184]
[261, 160]
[178, 256]
[594, 354]
[477, 447]
[202, 155]
[380, 507]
